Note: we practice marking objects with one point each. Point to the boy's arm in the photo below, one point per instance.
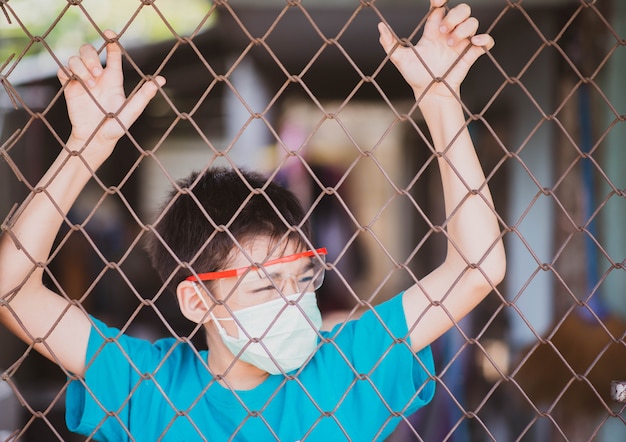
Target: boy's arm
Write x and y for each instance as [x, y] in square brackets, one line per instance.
[100, 114]
[475, 259]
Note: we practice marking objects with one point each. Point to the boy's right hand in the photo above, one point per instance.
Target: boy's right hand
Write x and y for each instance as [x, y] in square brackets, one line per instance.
[93, 92]
[55, 326]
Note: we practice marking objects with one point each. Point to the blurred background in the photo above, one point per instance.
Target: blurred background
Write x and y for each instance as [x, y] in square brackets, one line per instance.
[301, 91]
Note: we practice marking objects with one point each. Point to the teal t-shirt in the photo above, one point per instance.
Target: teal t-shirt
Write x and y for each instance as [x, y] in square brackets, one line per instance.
[356, 387]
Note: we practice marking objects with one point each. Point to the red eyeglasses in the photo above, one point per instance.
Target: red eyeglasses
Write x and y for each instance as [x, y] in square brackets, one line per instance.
[255, 283]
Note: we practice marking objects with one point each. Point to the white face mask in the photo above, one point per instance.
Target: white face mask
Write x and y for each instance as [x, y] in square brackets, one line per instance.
[283, 329]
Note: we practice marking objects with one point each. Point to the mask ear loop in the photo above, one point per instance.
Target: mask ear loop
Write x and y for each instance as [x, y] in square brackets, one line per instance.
[211, 315]
[220, 329]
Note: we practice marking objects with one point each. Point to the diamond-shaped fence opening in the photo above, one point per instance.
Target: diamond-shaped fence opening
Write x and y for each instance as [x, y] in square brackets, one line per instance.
[303, 93]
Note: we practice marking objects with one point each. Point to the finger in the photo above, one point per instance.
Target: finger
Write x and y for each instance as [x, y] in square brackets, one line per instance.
[483, 42]
[463, 31]
[437, 3]
[480, 45]
[114, 51]
[63, 74]
[140, 99]
[386, 39]
[78, 69]
[454, 17]
[91, 59]
[433, 21]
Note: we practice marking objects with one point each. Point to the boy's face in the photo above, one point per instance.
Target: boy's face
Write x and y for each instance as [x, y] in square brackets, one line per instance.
[284, 272]
[267, 295]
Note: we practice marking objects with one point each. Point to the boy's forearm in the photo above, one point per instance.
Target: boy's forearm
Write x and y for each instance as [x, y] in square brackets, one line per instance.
[100, 114]
[31, 232]
[28, 309]
[472, 224]
[459, 165]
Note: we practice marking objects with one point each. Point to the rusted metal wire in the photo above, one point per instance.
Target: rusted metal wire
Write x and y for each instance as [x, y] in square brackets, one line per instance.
[576, 370]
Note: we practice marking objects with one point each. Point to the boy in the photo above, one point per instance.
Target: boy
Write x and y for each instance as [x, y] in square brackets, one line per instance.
[235, 249]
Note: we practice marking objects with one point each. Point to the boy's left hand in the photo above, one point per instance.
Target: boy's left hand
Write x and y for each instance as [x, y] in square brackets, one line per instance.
[448, 48]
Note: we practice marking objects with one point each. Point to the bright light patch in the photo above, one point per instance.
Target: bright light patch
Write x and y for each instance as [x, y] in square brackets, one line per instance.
[64, 26]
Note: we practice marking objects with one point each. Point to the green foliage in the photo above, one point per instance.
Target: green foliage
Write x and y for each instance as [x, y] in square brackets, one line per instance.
[35, 26]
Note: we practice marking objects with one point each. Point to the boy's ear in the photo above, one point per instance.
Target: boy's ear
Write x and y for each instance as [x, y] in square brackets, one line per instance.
[192, 303]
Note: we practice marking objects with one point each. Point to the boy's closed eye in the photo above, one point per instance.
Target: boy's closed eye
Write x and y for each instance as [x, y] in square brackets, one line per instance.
[279, 280]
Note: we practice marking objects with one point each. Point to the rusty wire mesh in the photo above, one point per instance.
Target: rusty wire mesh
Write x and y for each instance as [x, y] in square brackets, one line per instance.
[533, 362]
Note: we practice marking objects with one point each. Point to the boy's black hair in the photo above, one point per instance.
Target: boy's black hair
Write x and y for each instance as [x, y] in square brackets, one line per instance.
[243, 205]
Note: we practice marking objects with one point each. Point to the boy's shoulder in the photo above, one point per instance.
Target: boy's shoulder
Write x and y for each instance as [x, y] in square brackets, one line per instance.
[140, 349]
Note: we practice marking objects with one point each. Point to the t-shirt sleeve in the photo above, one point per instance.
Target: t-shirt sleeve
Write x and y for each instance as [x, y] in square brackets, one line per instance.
[379, 349]
[98, 403]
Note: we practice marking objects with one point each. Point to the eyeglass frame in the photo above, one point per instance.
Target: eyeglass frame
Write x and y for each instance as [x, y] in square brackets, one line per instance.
[231, 273]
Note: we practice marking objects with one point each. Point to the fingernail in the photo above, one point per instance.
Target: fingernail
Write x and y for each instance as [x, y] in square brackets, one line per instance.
[91, 83]
[443, 29]
[450, 42]
[96, 71]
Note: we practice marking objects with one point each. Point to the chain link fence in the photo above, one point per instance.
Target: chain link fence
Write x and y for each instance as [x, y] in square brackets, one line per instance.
[301, 91]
